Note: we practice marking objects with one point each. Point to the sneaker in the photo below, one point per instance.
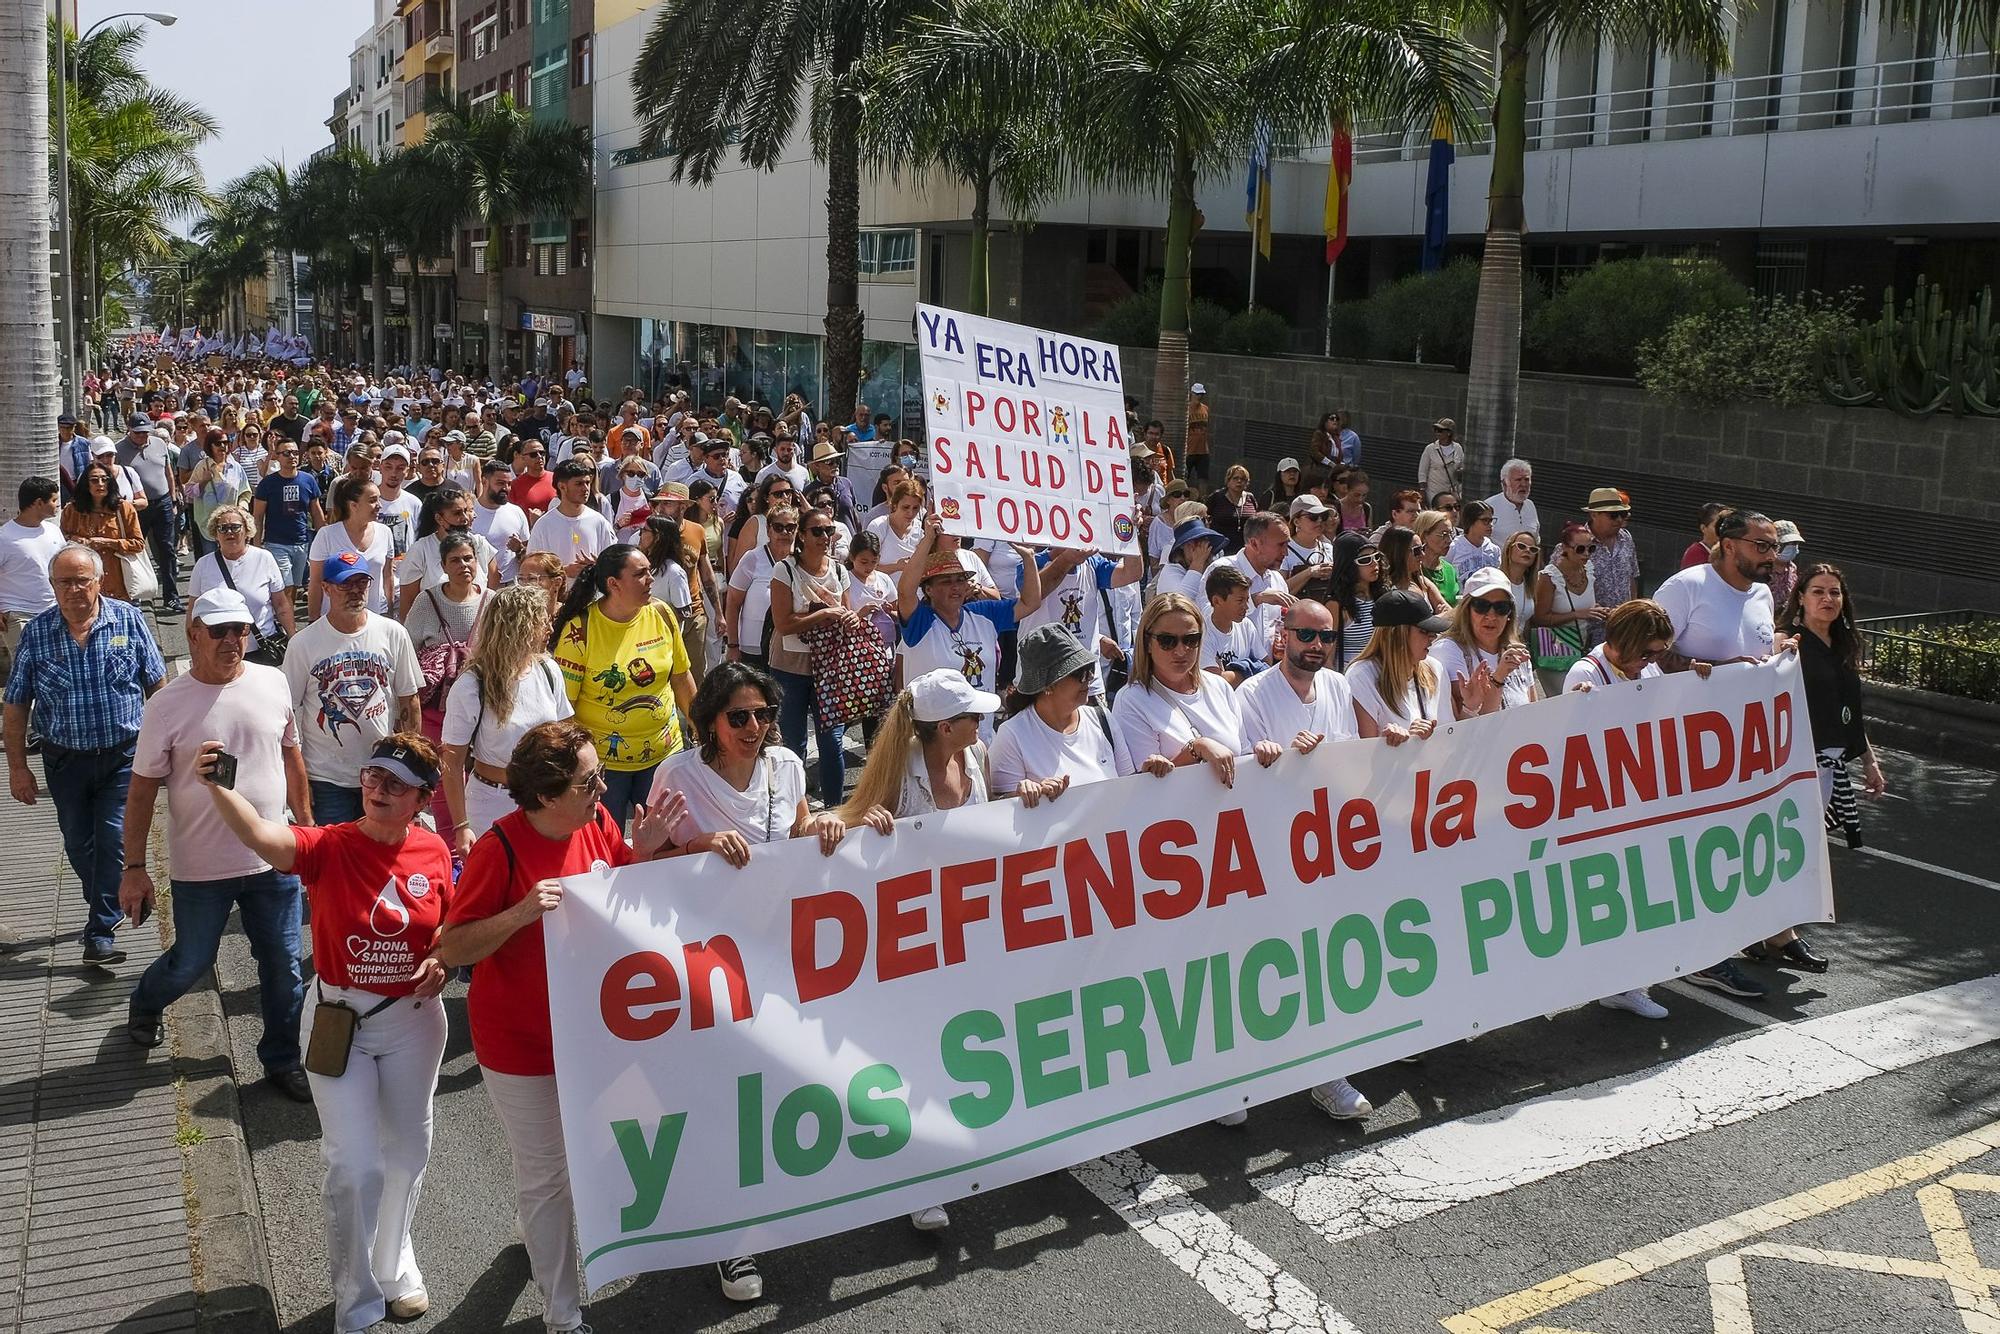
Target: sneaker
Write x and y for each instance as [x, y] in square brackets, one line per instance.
[410, 1307]
[1728, 979]
[933, 1219]
[143, 1029]
[1638, 1002]
[1235, 1118]
[572, 1329]
[103, 953]
[1341, 1100]
[740, 1280]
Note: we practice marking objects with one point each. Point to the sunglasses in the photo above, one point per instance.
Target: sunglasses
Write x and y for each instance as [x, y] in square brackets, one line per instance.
[1368, 560]
[740, 718]
[784, 528]
[227, 529]
[385, 782]
[233, 631]
[1310, 635]
[1172, 642]
[1653, 654]
[1490, 606]
[821, 530]
[1449, 509]
[594, 781]
[1589, 549]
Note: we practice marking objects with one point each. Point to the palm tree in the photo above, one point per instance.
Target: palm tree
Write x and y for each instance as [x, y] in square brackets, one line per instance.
[1698, 28]
[270, 198]
[421, 229]
[748, 60]
[502, 165]
[27, 308]
[954, 106]
[233, 251]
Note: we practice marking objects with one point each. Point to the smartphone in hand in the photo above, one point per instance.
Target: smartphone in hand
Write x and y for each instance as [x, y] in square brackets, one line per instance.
[223, 774]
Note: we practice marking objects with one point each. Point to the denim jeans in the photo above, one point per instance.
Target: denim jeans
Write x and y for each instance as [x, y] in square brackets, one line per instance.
[88, 788]
[798, 698]
[270, 905]
[622, 788]
[334, 804]
[293, 563]
[156, 521]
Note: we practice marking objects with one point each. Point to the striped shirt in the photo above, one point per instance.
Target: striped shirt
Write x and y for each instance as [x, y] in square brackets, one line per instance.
[87, 696]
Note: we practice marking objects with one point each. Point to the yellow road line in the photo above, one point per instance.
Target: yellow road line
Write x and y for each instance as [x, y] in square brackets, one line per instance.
[1506, 1312]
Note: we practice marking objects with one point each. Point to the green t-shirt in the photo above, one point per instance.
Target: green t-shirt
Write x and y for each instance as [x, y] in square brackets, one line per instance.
[1445, 576]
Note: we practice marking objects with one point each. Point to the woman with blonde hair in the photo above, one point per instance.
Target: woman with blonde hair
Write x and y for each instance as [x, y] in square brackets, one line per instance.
[1518, 560]
[1394, 682]
[542, 571]
[232, 562]
[509, 686]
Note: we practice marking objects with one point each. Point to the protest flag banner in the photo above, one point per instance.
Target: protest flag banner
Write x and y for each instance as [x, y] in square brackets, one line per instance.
[1025, 433]
[751, 1058]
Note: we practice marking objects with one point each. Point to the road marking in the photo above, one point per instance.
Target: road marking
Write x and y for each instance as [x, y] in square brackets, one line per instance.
[1353, 1194]
[1517, 1308]
[1198, 1243]
[1945, 871]
[1734, 1009]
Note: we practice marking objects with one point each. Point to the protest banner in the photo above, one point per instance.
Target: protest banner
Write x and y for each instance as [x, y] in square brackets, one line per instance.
[1026, 433]
[751, 1058]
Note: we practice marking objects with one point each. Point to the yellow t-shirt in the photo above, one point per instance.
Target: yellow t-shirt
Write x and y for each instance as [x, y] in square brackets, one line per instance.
[620, 679]
[1197, 429]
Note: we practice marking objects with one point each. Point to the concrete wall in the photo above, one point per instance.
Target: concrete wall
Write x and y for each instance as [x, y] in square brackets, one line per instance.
[1908, 508]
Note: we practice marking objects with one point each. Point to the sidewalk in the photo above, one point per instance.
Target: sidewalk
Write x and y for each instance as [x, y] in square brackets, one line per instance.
[107, 1151]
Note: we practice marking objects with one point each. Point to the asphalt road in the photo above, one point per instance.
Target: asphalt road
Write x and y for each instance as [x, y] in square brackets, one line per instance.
[1462, 1191]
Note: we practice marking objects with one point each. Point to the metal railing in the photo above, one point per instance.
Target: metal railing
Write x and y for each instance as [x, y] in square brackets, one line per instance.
[1949, 652]
[1722, 104]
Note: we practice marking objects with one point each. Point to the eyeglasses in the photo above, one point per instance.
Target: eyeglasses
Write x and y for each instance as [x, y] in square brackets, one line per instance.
[593, 781]
[1762, 544]
[77, 581]
[385, 782]
[1314, 635]
[1172, 642]
[1490, 606]
[236, 630]
[821, 530]
[533, 454]
[740, 718]
[1449, 509]
[1652, 652]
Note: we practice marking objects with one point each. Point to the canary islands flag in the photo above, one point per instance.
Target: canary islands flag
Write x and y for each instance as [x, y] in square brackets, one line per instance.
[1437, 193]
[1339, 177]
[1257, 201]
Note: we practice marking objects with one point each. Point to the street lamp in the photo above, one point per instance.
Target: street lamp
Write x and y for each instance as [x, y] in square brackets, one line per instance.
[71, 381]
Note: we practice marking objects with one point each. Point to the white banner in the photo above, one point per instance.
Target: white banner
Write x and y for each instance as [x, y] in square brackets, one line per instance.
[1026, 433]
[748, 1059]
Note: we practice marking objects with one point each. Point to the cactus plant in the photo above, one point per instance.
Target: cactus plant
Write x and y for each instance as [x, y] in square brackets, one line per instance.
[1922, 359]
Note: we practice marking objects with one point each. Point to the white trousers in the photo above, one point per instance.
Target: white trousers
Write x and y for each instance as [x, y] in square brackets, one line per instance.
[375, 1134]
[526, 1105]
[485, 805]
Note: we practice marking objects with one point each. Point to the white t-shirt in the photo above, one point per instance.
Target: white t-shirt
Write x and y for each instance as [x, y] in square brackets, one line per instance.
[1190, 584]
[1593, 669]
[585, 535]
[423, 567]
[25, 553]
[1714, 622]
[1026, 747]
[1239, 639]
[539, 697]
[802, 582]
[1159, 540]
[752, 578]
[1076, 604]
[1002, 567]
[1364, 680]
[916, 797]
[400, 512]
[1157, 721]
[875, 598]
[763, 812]
[378, 555]
[1273, 711]
[1266, 617]
[257, 579]
[1509, 519]
[1299, 553]
[896, 550]
[973, 648]
[800, 478]
[1451, 663]
[345, 690]
[497, 526]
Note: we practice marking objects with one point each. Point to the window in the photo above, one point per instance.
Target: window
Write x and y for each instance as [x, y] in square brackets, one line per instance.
[888, 253]
[1781, 268]
[579, 62]
[559, 257]
[506, 83]
[526, 95]
[542, 261]
[579, 243]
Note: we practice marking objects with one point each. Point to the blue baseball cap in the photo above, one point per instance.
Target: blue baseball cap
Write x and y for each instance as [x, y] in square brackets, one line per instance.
[347, 566]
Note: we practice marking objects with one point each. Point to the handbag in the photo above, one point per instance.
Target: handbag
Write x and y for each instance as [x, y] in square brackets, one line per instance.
[142, 581]
[1116, 674]
[440, 663]
[851, 673]
[1558, 646]
[270, 650]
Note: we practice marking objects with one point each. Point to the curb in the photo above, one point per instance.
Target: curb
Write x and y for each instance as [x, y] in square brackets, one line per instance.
[1941, 726]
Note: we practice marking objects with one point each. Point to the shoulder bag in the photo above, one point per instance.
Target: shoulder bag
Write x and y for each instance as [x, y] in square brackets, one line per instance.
[270, 650]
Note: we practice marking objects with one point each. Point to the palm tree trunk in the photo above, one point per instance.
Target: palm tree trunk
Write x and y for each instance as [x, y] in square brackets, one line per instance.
[1170, 362]
[27, 307]
[843, 240]
[494, 252]
[978, 293]
[1493, 389]
[378, 292]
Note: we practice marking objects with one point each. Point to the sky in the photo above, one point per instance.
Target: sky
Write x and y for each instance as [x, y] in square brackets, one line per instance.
[267, 70]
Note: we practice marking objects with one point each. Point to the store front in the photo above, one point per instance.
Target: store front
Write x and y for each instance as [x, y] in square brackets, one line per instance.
[549, 344]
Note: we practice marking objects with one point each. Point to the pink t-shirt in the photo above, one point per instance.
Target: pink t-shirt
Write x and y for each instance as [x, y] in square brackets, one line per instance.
[252, 717]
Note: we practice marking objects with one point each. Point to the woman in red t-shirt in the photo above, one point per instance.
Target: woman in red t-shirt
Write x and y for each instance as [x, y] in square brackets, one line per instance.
[379, 887]
[510, 879]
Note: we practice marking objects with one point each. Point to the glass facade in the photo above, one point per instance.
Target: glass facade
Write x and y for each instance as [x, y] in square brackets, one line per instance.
[715, 361]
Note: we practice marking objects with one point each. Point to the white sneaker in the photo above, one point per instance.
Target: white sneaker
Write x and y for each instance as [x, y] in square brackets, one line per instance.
[933, 1219]
[1341, 1100]
[1638, 1002]
[410, 1307]
[740, 1280]
[1235, 1118]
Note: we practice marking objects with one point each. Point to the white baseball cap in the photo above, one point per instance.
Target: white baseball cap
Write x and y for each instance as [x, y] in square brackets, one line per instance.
[222, 606]
[944, 693]
[1197, 388]
[396, 451]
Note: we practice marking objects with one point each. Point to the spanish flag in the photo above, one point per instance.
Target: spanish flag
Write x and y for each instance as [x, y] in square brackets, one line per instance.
[1339, 178]
[1437, 193]
[1257, 201]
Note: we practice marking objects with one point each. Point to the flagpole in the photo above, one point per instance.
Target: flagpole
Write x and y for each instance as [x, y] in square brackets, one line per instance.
[1327, 349]
[1253, 268]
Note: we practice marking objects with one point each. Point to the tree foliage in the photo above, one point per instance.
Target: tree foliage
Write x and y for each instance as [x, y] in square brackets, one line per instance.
[1598, 318]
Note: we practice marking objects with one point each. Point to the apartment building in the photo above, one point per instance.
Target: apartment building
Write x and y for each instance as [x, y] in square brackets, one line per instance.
[375, 81]
[1834, 152]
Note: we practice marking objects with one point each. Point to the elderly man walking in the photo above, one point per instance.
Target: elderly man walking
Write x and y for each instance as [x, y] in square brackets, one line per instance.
[85, 667]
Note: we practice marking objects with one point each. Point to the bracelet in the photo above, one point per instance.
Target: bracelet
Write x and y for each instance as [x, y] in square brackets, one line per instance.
[135, 866]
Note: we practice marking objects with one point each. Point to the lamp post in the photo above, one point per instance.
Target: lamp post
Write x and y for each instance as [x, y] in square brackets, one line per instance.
[71, 323]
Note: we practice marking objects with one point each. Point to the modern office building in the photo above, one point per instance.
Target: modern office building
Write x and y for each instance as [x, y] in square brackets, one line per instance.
[1834, 152]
